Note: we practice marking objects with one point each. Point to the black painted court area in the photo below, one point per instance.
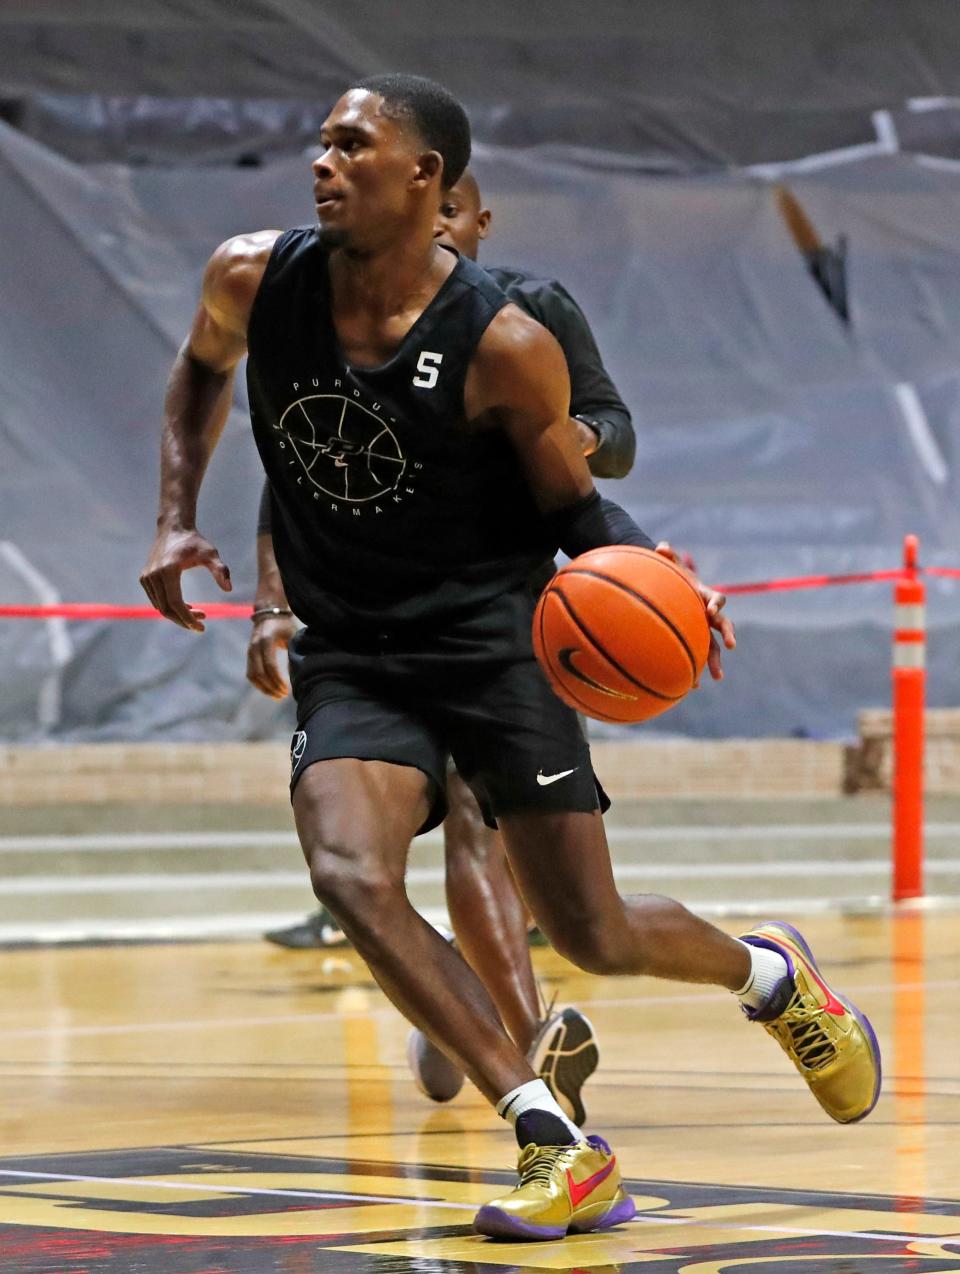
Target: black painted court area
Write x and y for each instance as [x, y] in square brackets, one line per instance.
[164, 1210]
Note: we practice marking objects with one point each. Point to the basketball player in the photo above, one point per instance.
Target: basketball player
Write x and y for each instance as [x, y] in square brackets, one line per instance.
[415, 429]
[489, 918]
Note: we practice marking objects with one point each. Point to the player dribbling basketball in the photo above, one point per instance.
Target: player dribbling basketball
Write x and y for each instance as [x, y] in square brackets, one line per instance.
[487, 914]
[418, 620]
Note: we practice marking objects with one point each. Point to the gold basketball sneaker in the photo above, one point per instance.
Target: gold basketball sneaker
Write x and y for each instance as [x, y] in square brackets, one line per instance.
[562, 1190]
[828, 1039]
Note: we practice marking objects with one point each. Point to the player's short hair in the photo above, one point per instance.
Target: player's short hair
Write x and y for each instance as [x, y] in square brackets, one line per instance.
[439, 119]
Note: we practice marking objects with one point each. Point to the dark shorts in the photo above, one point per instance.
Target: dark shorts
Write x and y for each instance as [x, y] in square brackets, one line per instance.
[474, 693]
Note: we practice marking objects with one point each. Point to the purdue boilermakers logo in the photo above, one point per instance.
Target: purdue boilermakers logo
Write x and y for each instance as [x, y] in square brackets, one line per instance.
[342, 449]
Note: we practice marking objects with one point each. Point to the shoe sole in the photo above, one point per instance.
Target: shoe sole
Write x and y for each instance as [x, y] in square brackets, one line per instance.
[310, 944]
[572, 1044]
[308, 937]
[861, 1018]
[497, 1224]
[450, 1091]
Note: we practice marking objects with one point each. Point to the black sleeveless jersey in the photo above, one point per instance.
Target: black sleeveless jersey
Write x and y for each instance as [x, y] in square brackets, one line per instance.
[386, 510]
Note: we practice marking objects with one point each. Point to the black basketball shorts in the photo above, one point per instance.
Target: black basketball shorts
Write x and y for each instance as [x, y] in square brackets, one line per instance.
[418, 702]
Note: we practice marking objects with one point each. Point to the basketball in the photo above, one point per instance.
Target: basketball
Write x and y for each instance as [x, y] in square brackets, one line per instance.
[621, 633]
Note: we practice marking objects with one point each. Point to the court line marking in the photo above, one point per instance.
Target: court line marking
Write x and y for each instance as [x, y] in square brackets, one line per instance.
[314, 1071]
[249, 924]
[284, 837]
[639, 1084]
[187, 882]
[241, 1190]
[651, 1002]
[643, 1218]
[205, 1024]
[869, 1236]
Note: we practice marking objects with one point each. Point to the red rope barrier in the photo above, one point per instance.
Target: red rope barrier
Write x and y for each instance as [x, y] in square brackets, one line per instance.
[241, 610]
[808, 581]
[95, 610]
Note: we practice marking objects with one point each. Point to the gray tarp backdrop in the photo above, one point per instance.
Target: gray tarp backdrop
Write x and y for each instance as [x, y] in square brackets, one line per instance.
[639, 163]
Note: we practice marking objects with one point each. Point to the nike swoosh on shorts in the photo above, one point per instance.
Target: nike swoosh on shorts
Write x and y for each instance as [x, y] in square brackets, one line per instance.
[545, 779]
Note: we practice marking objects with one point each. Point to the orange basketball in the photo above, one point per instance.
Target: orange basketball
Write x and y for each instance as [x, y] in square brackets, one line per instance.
[621, 633]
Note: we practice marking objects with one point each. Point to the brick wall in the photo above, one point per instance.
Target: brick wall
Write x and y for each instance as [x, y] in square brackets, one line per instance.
[107, 773]
[197, 773]
[257, 773]
[869, 764]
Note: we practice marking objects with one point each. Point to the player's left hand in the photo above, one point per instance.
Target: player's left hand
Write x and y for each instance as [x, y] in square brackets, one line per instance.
[714, 602]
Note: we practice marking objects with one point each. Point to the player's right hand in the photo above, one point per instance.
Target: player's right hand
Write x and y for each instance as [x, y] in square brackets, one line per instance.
[270, 634]
[713, 602]
[173, 552]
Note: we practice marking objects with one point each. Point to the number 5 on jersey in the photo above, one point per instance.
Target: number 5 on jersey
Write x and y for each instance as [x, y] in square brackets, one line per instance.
[428, 365]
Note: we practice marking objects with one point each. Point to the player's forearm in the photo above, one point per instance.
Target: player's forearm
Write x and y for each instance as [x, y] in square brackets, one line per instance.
[594, 398]
[265, 511]
[593, 523]
[617, 447]
[195, 411]
[270, 590]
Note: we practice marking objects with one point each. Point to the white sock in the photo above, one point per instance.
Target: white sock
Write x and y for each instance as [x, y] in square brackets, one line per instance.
[534, 1095]
[767, 968]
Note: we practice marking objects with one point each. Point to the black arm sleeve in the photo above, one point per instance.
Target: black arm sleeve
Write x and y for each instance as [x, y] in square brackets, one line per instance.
[264, 515]
[594, 522]
[593, 394]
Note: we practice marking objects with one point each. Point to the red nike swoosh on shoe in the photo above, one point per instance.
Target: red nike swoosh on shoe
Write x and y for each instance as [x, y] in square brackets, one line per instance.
[578, 1192]
[833, 1005]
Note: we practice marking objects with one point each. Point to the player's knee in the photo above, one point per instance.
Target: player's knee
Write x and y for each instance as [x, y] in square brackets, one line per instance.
[622, 943]
[357, 890]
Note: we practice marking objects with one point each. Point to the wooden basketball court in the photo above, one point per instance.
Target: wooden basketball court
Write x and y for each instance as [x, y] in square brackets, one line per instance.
[187, 1109]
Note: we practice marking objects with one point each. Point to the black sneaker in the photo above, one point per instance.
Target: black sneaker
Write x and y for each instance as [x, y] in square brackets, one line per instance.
[565, 1054]
[318, 930]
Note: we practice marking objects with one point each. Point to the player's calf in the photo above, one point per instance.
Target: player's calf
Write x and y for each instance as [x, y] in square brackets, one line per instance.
[636, 935]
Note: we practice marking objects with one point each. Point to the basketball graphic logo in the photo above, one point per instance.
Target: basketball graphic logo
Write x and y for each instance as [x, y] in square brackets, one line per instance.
[298, 745]
[344, 449]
